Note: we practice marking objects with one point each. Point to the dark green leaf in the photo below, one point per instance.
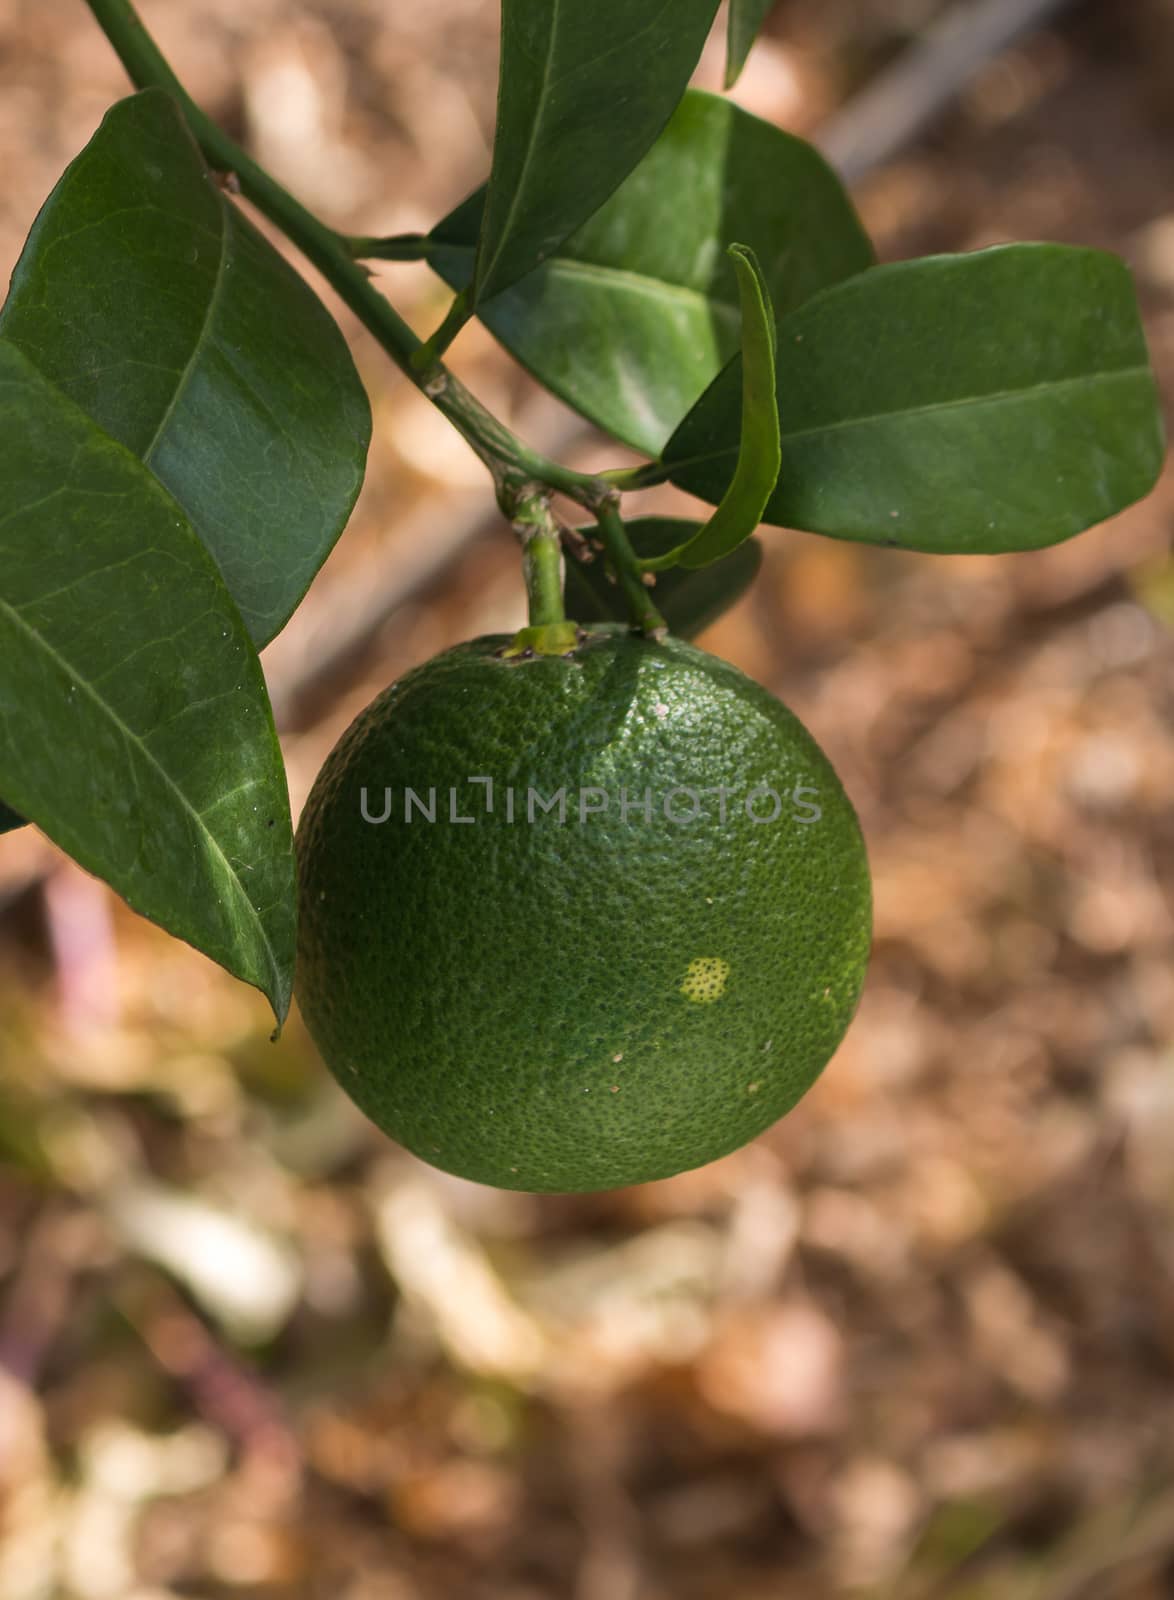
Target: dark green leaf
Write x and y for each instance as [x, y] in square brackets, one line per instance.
[134, 724]
[638, 311]
[585, 87]
[742, 28]
[995, 401]
[147, 298]
[9, 819]
[748, 491]
[688, 601]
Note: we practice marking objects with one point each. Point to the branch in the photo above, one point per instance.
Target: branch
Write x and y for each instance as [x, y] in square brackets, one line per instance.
[509, 460]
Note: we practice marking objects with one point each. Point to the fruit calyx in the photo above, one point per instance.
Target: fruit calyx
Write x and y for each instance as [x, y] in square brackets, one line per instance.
[545, 639]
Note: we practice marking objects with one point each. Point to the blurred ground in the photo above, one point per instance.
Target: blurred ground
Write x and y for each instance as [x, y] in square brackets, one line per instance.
[915, 1344]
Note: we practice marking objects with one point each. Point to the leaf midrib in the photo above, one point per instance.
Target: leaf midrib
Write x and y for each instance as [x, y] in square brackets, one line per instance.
[640, 283]
[1107, 375]
[480, 276]
[532, 143]
[210, 310]
[136, 743]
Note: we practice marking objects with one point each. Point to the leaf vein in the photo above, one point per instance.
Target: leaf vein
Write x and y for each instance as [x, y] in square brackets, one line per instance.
[899, 415]
[210, 310]
[136, 744]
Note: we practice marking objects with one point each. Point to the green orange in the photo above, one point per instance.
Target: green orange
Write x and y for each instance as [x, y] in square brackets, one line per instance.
[625, 951]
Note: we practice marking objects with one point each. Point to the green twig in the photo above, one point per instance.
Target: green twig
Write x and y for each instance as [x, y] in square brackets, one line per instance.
[396, 247]
[626, 565]
[426, 360]
[509, 460]
[646, 476]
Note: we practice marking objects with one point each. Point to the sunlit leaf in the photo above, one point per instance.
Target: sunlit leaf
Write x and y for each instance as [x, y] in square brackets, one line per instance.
[585, 87]
[740, 509]
[134, 725]
[635, 313]
[148, 299]
[996, 401]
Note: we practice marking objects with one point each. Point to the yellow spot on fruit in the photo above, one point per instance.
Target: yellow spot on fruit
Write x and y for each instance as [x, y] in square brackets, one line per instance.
[705, 980]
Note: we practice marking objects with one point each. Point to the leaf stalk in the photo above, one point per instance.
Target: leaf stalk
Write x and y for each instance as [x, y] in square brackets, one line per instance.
[426, 359]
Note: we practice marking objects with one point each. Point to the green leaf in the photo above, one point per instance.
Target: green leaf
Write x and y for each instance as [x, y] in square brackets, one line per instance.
[637, 312]
[743, 25]
[744, 501]
[688, 601]
[9, 819]
[134, 725]
[151, 302]
[987, 402]
[585, 87]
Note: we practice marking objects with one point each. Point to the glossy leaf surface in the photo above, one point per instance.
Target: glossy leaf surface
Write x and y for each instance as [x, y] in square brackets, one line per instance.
[135, 729]
[637, 312]
[996, 401]
[740, 509]
[585, 87]
[149, 300]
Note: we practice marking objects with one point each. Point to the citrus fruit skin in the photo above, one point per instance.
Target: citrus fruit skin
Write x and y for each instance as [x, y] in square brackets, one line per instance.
[582, 1004]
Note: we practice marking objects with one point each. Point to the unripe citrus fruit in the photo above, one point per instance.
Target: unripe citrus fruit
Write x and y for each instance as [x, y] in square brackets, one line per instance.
[575, 922]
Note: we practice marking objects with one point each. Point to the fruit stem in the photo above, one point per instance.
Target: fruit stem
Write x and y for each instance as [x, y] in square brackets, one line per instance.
[542, 567]
[626, 563]
[506, 456]
[527, 506]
